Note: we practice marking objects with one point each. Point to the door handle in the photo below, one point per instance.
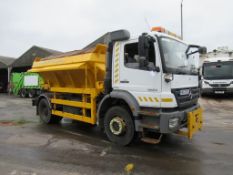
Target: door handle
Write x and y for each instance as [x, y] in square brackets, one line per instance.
[124, 81]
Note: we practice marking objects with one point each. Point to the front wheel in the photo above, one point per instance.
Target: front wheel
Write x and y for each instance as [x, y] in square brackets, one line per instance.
[119, 126]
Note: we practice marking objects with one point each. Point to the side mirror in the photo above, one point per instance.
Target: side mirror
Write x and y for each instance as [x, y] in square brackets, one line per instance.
[143, 46]
[144, 43]
[202, 50]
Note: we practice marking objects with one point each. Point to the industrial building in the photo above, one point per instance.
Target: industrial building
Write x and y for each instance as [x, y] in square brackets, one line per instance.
[5, 62]
[25, 61]
[21, 64]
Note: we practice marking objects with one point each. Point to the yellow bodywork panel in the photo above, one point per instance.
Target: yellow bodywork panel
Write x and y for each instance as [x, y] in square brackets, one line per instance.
[75, 71]
[194, 124]
[81, 74]
[59, 68]
[73, 116]
[71, 103]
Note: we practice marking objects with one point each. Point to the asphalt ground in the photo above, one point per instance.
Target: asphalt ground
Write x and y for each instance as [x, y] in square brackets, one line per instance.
[28, 147]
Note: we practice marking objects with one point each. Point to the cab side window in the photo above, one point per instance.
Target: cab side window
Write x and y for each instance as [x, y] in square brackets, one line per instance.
[131, 57]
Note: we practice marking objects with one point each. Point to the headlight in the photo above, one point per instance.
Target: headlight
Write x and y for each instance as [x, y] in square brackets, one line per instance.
[173, 122]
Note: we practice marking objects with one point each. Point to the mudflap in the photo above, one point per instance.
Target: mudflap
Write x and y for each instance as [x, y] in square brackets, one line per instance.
[194, 123]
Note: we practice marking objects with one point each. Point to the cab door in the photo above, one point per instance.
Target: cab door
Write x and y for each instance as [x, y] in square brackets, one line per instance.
[143, 84]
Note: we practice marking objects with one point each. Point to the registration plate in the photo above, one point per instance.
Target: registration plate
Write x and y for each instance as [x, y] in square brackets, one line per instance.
[219, 92]
[184, 92]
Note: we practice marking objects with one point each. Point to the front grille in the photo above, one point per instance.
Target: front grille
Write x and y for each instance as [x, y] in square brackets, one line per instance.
[219, 85]
[188, 100]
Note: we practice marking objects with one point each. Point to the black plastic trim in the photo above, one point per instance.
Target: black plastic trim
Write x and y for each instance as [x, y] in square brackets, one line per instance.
[189, 100]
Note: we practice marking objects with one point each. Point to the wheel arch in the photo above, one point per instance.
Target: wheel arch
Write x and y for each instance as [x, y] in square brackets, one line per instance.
[117, 97]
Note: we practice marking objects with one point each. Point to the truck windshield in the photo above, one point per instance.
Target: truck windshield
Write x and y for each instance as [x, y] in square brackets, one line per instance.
[220, 70]
[175, 59]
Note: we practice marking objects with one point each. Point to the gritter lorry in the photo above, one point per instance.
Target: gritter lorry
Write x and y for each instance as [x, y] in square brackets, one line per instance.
[145, 86]
[26, 84]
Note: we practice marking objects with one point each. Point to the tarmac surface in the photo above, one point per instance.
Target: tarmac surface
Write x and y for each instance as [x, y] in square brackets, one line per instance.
[29, 148]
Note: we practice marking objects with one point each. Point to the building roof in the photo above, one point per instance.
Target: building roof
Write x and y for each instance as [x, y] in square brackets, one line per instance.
[26, 59]
[6, 61]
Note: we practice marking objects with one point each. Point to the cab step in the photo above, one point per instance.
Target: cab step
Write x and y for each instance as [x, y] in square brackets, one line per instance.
[152, 140]
[149, 126]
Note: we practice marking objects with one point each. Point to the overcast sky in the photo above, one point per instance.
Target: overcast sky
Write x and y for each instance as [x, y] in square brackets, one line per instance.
[66, 25]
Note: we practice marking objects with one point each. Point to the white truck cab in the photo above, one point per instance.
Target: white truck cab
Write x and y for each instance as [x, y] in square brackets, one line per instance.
[217, 75]
[169, 72]
[157, 74]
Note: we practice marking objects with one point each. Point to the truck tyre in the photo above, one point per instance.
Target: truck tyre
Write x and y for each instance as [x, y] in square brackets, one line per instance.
[44, 112]
[23, 93]
[31, 93]
[119, 126]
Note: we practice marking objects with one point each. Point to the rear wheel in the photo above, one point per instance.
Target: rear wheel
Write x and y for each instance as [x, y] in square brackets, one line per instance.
[119, 126]
[45, 113]
[31, 93]
[23, 93]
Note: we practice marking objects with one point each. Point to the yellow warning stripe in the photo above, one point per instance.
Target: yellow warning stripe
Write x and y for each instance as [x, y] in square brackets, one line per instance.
[116, 80]
[140, 99]
[116, 75]
[116, 66]
[145, 99]
[117, 44]
[167, 100]
[151, 100]
[154, 99]
[117, 50]
[116, 70]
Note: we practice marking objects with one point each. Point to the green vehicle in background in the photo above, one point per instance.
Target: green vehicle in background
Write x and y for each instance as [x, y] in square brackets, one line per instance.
[26, 84]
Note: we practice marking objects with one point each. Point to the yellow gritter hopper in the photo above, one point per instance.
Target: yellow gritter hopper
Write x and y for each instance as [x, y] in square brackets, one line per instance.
[81, 73]
[82, 70]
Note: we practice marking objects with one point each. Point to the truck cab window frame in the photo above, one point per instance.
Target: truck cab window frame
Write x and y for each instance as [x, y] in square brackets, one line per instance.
[131, 57]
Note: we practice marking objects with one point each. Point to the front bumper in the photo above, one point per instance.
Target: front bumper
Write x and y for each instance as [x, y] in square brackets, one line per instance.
[189, 122]
[216, 90]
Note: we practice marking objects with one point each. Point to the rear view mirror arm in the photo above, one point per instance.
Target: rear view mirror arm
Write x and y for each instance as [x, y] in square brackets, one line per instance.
[200, 49]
